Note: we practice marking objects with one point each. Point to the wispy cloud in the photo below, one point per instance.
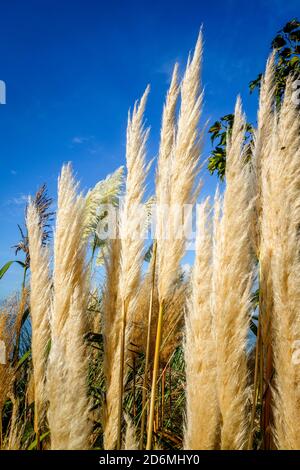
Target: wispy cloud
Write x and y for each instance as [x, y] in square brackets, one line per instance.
[89, 144]
[13, 172]
[166, 69]
[79, 140]
[20, 200]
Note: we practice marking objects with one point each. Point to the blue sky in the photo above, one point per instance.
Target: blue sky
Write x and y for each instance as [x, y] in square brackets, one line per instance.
[73, 69]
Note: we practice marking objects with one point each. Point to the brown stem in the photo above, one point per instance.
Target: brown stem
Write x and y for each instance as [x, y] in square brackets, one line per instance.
[170, 397]
[147, 359]
[258, 351]
[155, 375]
[1, 429]
[163, 386]
[134, 388]
[268, 399]
[121, 376]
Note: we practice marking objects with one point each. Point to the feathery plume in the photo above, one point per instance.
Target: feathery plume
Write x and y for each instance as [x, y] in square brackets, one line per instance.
[131, 233]
[178, 166]
[262, 236]
[232, 282]
[167, 138]
[262, 135]
[111, 329]
[130, 436]
[105, 192]
[200, 348]
[40, 299]
[181, 183]
[284, 207]
[132, 243]
[67, 369]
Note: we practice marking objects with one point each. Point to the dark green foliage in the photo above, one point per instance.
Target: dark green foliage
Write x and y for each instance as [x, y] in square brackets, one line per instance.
[287, 48]
[287, 59]
[42, 203]
[220, 131]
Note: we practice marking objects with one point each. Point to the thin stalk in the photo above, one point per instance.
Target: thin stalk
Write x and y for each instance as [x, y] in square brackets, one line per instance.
[24, 278]
[38, 440]
[121, 376]
[36, 427]
[155, 374]
[1, 430]
[163, 386]
[147, 359]
[157, 415]
[268, 398]
[19, 321]
[170, 397]
[134, 388]
[255, 386]
[266, 364]
[261, 382]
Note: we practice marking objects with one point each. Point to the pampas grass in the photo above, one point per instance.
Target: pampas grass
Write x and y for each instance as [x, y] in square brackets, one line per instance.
[284, 207]
[107, 343]
[68, 367]
[40, 298]
[130, 436]
[262, 155]
[131, 233]
[231, 304]
[200, 347]
[178, 179]
[177, 170]
[111, 329]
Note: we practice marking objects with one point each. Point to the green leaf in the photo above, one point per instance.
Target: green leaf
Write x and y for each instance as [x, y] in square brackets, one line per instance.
[148, 254]
[8, 265]
[286, 52]
[24, 358]
[33, 445]
[214, 130]
[278, 42]
[223, 138]
[255, 83]
[291, 25]
[294, 61]
[295, 36]
[253, 327]
[215, 127]
[228, 118]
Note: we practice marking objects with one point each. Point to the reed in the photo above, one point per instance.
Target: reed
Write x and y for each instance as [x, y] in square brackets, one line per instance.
[177, 177]
[284, 207]
[40, 299]
[68, 367]
[233, 267]
[131, 234]
[202, 414]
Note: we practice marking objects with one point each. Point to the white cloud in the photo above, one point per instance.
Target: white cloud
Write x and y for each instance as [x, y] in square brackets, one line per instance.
[78, 139]
[13, 172]
[19, 200]
[186, 269]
